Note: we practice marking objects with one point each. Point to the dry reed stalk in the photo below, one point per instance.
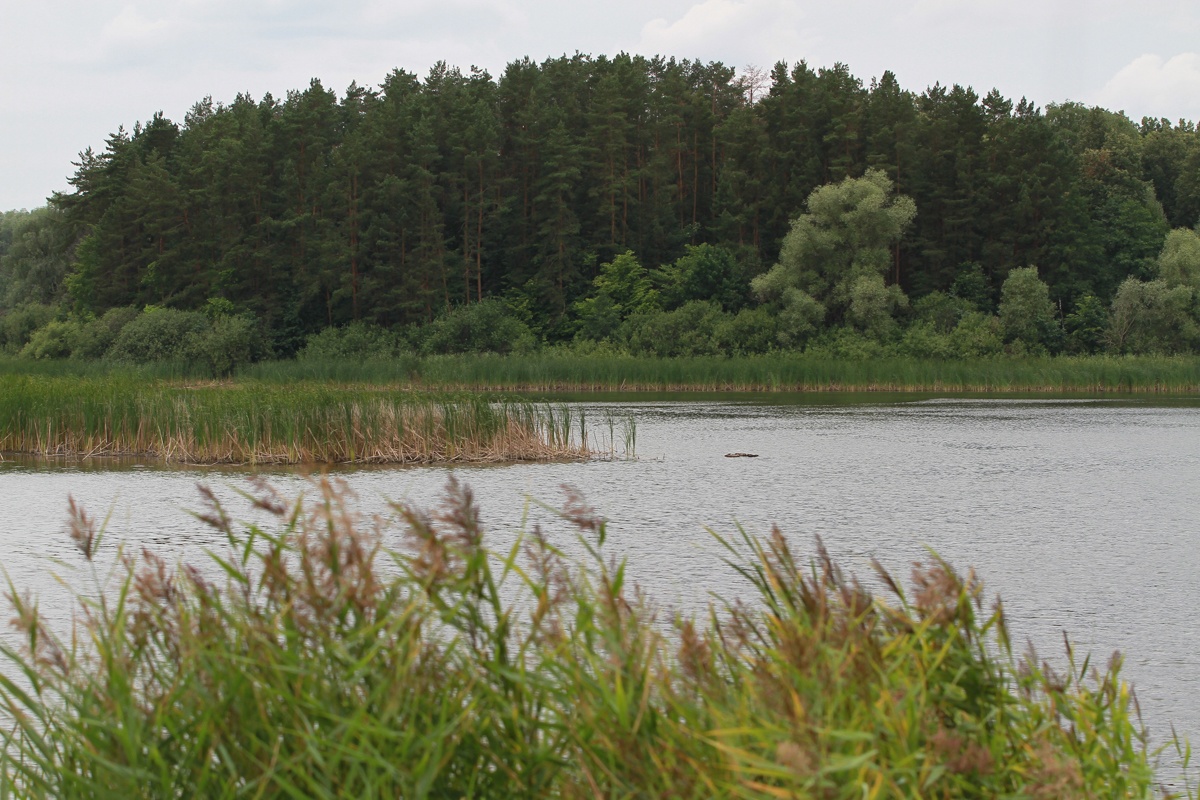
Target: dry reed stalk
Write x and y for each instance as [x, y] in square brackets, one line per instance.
[378, 431]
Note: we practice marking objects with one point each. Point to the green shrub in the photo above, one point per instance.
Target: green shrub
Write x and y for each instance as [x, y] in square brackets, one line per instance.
[1153, 317]
[231, 342]
[160, 334]
[977, 336]
[56, 339]
[98, 335]
[598, 317]
[19, 324]
[846, 344]
[972, 286]
[942, 311]
[800, 318]
[923, 339]
[687, 331]
[1086, 326]
[1027, 313]
[484, 327]
[704, 272]
[357, 341]
[751, 331]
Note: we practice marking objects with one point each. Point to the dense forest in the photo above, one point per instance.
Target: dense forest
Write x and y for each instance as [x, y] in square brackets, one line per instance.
[634, 204]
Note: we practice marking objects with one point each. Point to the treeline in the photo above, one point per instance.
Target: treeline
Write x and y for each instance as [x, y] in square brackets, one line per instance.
[624, 201]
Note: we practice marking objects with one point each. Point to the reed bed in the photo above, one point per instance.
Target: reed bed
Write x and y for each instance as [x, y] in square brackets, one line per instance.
[325, 664]
[273, 424]
[792, 373]
[556, 371]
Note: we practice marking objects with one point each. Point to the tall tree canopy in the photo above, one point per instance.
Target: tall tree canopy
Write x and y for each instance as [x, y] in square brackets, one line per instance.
[392, 204]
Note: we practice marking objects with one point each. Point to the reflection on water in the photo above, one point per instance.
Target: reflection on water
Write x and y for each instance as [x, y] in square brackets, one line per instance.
[1082, 512]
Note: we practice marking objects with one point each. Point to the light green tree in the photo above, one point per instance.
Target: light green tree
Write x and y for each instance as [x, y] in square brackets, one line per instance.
[1153, 317]
[1026, 311]
[872, 304]
[833, 261]
[623, 287]
[1179, 261]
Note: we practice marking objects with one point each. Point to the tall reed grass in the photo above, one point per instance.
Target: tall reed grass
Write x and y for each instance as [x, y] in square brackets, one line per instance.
[566, 372]
[262, 424]
[324, 664]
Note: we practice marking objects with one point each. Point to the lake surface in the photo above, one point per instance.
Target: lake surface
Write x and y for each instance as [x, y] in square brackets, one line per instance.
[1083, 514]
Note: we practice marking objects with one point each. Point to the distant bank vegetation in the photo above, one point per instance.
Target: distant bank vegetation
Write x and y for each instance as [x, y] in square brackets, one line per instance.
[324, 654]
[826, 298]
[644, 207]
[625, 316]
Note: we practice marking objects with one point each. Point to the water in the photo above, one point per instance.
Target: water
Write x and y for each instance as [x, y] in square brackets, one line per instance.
[1082, 514]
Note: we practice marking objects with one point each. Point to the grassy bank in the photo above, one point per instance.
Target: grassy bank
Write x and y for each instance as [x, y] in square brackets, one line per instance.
[326, 665]
[551, 372]
[572, 372]
[251, 423]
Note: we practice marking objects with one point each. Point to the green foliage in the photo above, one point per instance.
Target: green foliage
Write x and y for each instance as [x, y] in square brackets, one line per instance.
[800, 317]
[81, 282]
[1026, 311]
[97, 335]
[488, 326]
[977, 336]
[392, 206]
[216, 307]
[1153, 317]
[846, 344]
[324, 663]
[622, 288]
[1179, 262]
[689, 330]
[19, 324]
[751, 331]
[971, 286]
[873, 305]
[837, 253]
[1086, 327]
[923, 339]
[160, 334]
[34, 257]
[56, 339]
[704, 272]
[229, 343]
[942, 311]
[598, 317]
[357, 341]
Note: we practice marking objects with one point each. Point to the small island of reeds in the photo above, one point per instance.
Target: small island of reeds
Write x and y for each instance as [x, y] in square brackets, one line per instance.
[326, 655]
[254, 423]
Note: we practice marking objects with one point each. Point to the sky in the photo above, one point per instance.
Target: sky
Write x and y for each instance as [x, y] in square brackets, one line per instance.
[72, 71]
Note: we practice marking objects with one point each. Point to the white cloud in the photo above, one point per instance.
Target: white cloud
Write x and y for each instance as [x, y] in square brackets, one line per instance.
[734, 31]
[131, 26]
[1149, 86]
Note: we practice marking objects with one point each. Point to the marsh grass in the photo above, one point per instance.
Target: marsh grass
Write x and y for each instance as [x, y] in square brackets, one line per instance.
[551, 372]
[562, 371]
[249, 423]
[325, 663]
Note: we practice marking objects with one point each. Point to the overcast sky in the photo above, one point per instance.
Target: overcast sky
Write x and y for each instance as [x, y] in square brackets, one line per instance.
[72, 71]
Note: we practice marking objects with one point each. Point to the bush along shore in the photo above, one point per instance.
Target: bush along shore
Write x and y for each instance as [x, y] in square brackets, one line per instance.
[326, 663]
[273, 424]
